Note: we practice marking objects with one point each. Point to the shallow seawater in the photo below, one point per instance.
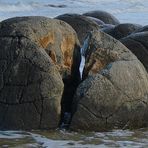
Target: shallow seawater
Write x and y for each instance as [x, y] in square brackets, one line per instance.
[69, 139]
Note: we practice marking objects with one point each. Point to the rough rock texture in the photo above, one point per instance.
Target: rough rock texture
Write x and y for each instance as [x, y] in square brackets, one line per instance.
[114, 93]
[81, 24]
[138, 44]
[106, 17]
[31, 87]
[121, 30]
[56, 37]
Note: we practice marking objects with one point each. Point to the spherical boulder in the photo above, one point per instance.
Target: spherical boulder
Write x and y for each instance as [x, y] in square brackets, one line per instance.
[114, 91]
[56, 37]
[138, 44]
[32, 51]
[81, 24]
[106, 17]
[121, 30]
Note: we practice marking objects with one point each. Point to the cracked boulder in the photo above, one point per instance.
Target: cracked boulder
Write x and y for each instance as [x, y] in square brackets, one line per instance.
[81, 24]
[138, 44]
[121, 30]
[114, 90]
[104, 16]
[33, 50]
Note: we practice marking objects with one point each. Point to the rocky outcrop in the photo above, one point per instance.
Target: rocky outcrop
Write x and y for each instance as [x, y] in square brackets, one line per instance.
[81, 24]
[121, 30]
[114, 91]
[35, 53]
[138, 44]
[106, 17]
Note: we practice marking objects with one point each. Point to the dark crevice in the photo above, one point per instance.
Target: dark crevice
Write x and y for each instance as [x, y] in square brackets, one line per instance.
[71, 83]
[70, 87]
[106, 121]
[41, 114]
[37, 110]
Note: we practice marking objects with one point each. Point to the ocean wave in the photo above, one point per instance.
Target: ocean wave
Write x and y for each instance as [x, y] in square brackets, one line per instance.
[16, 7]
[111, 5]
[20, 6]
[125, 10]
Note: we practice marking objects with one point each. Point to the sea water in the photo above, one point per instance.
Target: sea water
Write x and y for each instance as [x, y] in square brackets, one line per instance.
[63, 139]
[127, 11]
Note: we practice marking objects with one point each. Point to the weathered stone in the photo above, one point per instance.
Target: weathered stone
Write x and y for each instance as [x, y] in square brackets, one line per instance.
[138, 44]
[114, 91]
[33, 50]
[81, 24]
[56, 37]
[106, 17]
[121, 30]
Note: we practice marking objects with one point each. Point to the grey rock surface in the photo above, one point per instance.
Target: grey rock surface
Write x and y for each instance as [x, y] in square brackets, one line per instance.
[121, 30]
[138, 44]
[81, 24]
[106, 17]
[33, 52]
[114, 92]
